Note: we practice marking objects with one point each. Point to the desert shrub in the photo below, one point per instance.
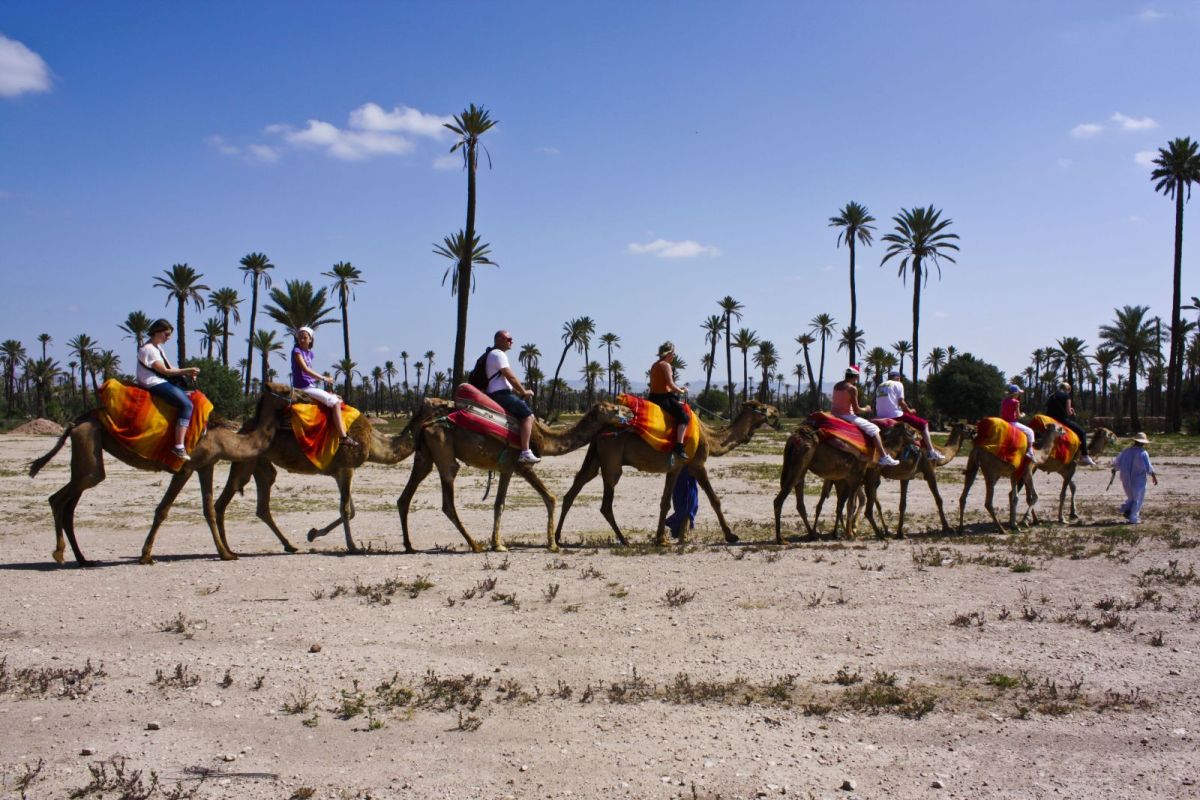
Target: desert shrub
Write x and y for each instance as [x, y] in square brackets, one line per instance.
[967, 388]
[223, 386]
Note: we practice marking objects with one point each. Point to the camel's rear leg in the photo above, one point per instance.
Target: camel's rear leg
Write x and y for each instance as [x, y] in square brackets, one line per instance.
[447, 473]
[589, 470]
[87, 470]
[210, 517]
[178, 481]
[422, 465]
[870, 487]
[700, 473]
[548, 500]
[498, 510]
[343, 478]
[664, 505]
[264, 481]
[611, 476]
[826, 487]
[931, 481]
[968, 479]
[790, 477]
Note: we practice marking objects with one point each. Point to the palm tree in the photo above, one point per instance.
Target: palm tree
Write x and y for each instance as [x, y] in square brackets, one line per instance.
[712, 335]
[209, 334]
[345, 277]
[920, 237]
[574, 332]
[183, 286]
[82, 347]
[429, 356]
[878, 361]
[806, 340]
[824, 327]
[1105, 359]
[389, 371]
[1071, 355]
[468, 127]
[855, 224]
[610, 340]
[226, 301]
[591, 371]
[299, 305]
[744, 340]
[902, 348]
[45, 339]
[13, 354]
[587, 327]
[254, 266]
[136, 325]
[1131, 337]
[529, 356]
[265, 342]
[42, 372]
[346, 368]
[1176, 168]
[419, 366]
[852, 338]
[107, 362]
[935, 360]
[407, 394]
[439, 378]
[766, 358]
[730, 308]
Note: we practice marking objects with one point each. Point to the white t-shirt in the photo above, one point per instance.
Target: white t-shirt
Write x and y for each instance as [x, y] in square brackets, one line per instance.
[147, 355]
[497, 360]
[887, 400]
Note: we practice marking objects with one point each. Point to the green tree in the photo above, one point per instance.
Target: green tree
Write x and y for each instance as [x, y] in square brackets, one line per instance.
[299, 305]
[766, 358]
[935, 360]
[903, 349]
[730, 309]
[824, 326]
[806, 340]
[852, 338]
[210, 333]
[1131, 337]
[573, 335]
[610, 340]
[82, 347]
[854, 223]
[1176, 168]
[345, 277]
[254, 266]
[265, 342]
[136, 325]
[182, 284]
[920, 239]
[42, 373]
[226, 301]
[13, 354]
[429, 356]
[222, 386]
[745, 340]
[389, 372]
[529, 356]
[967, 388]
[44, 339]
[468, 126]
[713, 326]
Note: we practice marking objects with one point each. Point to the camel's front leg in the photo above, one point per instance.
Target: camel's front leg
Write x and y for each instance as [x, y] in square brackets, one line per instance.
[547, 499]
[447, 473]
[239, 476]
[206, 502]
[1071, 484]
[700, 473]
[422, 465]
[870, 488]
[904, 507]
[178, 480]
[931, 481]
[826, 487]
[589, 470]
[498, 510]
[968, 479]
[664, 505]
[264, 480]
[988, 496]
[343, 479]
[611, 475]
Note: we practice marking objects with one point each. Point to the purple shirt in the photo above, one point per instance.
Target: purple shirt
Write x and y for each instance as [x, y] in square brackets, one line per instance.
[300, 378]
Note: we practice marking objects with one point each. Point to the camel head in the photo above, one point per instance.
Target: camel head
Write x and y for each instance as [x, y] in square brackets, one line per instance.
[760, 414]
[609, 413]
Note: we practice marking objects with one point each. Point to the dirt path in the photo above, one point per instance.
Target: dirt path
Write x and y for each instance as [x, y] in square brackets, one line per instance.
[1059, 663]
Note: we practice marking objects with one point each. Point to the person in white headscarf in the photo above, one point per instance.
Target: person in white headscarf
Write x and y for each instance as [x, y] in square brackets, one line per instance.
[1133, 463]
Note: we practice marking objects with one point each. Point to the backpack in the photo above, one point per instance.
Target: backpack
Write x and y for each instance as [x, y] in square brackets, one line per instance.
[479, 377]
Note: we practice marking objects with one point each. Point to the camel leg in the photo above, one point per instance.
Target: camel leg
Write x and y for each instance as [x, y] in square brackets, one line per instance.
[791, 477]
[931, 482]
[989, 494]
[826, 486]
[1031, 497]
[847, 505]
[178, 481]
[1071, 483]
[239, 475]
[903, 507]
[968, 479]
[316, 533]
[87, 470]
[498, 510]
[264, 480]
[548, 500]
[871, 487]
[206, 501]
[589, 470]
[422, 465]
[664, 505]
[447, 474]
[611, 476]
[700, 473]
[344, 478]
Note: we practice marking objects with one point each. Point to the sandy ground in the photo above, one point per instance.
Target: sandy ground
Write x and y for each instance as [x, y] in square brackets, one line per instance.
[1057, 663]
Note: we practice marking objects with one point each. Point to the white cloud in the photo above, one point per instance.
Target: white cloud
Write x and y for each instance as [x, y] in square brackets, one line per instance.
[1064, 163]
[261, 153]
[661, 248]
[1151, 15]
[401, 119]
[549, 151]
[1145, 157]
[448, 161]
[941, 314]
[383, 348]
[1131, 124]
[21, 69]
[371, 131]
[1086, 130]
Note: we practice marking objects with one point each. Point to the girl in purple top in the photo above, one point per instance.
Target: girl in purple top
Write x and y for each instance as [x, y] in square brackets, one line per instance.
[307, 381]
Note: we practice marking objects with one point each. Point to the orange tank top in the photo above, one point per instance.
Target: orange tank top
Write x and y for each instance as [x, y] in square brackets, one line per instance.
[840, 402]
[658, 377]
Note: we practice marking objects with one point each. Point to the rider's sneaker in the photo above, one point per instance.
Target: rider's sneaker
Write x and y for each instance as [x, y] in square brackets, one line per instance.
[1087, 461]
[180, 453]
[887, 461]
[527, 457]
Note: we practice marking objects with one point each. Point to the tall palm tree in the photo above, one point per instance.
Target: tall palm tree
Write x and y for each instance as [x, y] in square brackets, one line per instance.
[920, 236]
[806, 340]
[265, 342]
[210, 333]
[766, 358]
[82, 347]
[744, 340]
[824, 326]
[389, 372]
[855, 224]
[407, 393]
[529, 356]
[1176, 168]
[902, 349]
[136, 325]
[107, 363]
[574, 332]
[226, 301]
[730, 308]
[377, 376]
[468, 126]
[419, 366]
[429, 356]
[42, 372]
[345, 277]
[1070, 355]
[610, 340]
[1131, 337]
[346, 368]
[254, 266]
[591, 371]
[587, 328]
[45, 339]
[298, 304]
[852, 337]
[713, 326]
[183, 286]
[13, 353]
[935, 360]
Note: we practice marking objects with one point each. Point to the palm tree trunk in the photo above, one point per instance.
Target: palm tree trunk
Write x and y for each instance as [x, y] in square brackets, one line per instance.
[728, 364]
[1175, 362]
[225, 339]
[815, 386]
[853, 311]
[250, 338]
[1133, 398]
[554, 384]
[712, 358]
[916, 343]
[745, 378]
[181, 342]
[464, 271]
[346, 343]
[821, 372]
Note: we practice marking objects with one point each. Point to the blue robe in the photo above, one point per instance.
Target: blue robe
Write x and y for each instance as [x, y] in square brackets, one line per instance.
[1134, 465]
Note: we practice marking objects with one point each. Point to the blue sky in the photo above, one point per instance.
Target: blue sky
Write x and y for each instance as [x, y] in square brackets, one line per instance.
[650, 158]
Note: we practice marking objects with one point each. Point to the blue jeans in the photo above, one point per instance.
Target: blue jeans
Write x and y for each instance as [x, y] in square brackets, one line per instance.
[515, 406]
[176, 397]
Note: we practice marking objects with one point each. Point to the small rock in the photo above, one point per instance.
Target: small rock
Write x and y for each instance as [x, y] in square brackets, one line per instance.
[937, 784]
[88, 751]
[316, 648]
[229, 757]
[215, 703]
[154, 726]
[524, 768]
[847, 785]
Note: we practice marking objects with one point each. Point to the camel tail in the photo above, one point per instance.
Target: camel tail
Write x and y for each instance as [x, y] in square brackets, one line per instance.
[37, 465]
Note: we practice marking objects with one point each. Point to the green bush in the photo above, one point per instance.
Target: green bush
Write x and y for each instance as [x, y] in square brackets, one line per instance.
[967, 388]
[714, 400]
[222, 386]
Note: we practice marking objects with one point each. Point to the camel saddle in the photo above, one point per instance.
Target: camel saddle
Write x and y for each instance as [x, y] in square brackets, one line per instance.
[145, 424]
[846, 436]
[651, 423]
[1004, 441]
[478, 413]
[1067, 446]
[315, 431]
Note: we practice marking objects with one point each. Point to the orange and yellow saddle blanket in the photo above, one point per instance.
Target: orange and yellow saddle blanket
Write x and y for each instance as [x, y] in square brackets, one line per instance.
[146, 424]
[846, 436]
[1067, 444]
[316, 434]
[656, 428]
[1004, 441]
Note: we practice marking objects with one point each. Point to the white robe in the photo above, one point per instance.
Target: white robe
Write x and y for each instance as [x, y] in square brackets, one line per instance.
[1134, 465]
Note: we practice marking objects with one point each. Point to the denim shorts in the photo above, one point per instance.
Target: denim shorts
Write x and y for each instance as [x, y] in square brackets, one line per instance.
[515, 406]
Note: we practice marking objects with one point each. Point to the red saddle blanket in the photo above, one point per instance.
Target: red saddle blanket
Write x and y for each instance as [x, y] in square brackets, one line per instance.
[145, 424]
[657, 429]
[477, 412]
[1067, 445]
[1004, 441]
[846, 435]
[316, 433]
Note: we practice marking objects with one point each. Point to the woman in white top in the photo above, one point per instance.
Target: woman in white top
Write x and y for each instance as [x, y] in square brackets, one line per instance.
[153, 370]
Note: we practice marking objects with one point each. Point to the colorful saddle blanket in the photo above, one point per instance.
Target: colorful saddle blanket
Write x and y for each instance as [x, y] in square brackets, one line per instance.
[846, 436]
[316, 434]
[656, 428]
[477, 412]
[1067, 445]
[145, 424]
[1004, 441]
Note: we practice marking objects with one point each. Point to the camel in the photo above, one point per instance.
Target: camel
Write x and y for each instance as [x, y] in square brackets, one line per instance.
[443, 445]
[913, 461]
[994, 469]
[806, 451]
[90, 440]
[285, 453]
[608, 454]
[1100, 439]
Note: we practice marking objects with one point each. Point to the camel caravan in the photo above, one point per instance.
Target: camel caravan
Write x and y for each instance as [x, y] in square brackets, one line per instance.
[488, 426]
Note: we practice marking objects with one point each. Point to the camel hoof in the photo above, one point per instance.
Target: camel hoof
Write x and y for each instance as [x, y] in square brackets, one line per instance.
[498, 547]
[86, 563]
[731, 538]
[58, 557]
[476, 547]
[147, 560]
[409, 549]
[553, 547]
[290, 548]
[313, 533]
[229, 556]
